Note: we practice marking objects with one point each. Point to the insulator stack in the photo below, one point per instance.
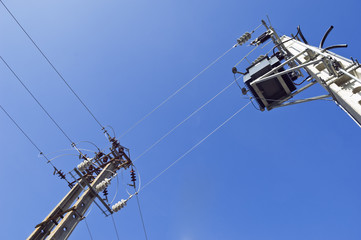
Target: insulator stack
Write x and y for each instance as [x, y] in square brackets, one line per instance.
[244, 38]
[119, 205]
[103, 185]
[258, 59]
[132, 175]
[105, 193]
[61, 174]
[84, 165]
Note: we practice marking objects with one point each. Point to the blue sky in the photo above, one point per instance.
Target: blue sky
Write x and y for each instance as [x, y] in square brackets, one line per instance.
[291, 173]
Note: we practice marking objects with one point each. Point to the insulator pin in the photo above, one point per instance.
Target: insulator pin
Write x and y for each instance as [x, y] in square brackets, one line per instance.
[119, 205]
[85, 164]
[103, 185]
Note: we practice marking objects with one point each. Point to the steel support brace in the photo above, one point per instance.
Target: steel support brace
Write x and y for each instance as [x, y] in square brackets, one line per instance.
[262, 79]
[303, 101]
[278, 67]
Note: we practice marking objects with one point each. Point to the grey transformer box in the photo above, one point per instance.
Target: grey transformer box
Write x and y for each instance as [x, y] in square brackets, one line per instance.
[271, 91]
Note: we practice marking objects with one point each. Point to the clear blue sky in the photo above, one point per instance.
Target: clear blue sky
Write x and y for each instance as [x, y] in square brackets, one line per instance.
[292, 173]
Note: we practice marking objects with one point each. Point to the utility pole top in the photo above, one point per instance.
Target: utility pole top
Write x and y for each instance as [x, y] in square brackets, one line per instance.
[272, 79]
[91, 177]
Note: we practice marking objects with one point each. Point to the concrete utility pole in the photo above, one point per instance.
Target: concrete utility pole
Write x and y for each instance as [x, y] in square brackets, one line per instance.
[339, 76]
[90, 177]
[271, 80]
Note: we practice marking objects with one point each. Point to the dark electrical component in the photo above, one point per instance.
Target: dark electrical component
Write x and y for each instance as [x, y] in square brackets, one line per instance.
[272, 90]
[261, 39]
[132, 176]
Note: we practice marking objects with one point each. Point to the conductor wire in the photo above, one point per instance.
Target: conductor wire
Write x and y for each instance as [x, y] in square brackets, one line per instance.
[246, 55]
[195, 146]
[173, 94]
[141, 217]
[53, 67]
[36, 100]
[31, 141]
[115, 226]
[179, 124]
[87, 226]
[27, 136]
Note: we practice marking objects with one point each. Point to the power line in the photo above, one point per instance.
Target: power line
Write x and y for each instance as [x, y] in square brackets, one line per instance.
[23, 132]
[179, 124]
[141, 216]
[244, 56]
[57, 171]
[52, 65]
[87, 226]
[173, 94]
[27, 89]
[192, 148]
[115, 227]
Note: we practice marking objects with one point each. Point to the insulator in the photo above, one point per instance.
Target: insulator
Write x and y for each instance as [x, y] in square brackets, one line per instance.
[119, 205]
[85, 164]
[103, 185]
[105, 192]
[61, 174]
[244, 38]
[132, 175]
[105, 159]
[264, 37]
[258, 59]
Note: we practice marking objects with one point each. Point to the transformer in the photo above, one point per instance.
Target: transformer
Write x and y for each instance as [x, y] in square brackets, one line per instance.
[271, 91]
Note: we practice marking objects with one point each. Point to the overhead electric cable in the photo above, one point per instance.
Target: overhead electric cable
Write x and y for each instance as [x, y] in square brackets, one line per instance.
[195, 146]
[141, 217]
[246, 55]
[173, 94]
[52, 65]
[87, 226]
[179, 124]
[37, 101]
[33, 143]
[27, 136]
[115, 227]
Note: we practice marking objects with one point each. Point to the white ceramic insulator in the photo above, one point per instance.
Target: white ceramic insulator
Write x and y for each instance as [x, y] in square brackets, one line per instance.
[85, 164]
[119, 205]
[103, 185]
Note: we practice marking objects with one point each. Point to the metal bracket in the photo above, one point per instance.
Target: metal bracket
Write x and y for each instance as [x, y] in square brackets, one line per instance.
[278, 104]
[302, 101]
